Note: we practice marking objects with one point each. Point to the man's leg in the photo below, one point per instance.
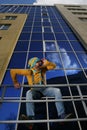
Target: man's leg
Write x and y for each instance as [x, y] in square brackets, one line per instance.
[55, 92]
[29, 105]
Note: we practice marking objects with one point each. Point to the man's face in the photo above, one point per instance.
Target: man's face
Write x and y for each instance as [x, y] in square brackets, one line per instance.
[39, 64]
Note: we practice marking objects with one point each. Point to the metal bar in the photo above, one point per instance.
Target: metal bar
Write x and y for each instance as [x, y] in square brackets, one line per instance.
[43, 121]
[84, 105]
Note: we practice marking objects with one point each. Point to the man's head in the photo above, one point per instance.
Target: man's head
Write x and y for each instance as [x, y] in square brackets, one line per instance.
[34, 62]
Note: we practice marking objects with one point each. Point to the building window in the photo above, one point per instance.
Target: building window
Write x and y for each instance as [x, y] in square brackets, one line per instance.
[80, 13]
[4, 26]
[83, 19]
[76, 9]
[71, 6]
[9, 17]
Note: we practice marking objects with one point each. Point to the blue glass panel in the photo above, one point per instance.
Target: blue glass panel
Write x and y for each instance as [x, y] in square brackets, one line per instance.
[37, 19]
[1, 89]
[54, 57]
[37, 23]
[56, 24]
[83, 90]
[8, 111]
[36, 46]
[17, 60]
[57, 29]
[67, 29]
[71, 36]
[35, 54]
[26, 29]
[37, 29]
[12, 92]
[24, 36]
[46, 24]
[69, 60]
[83, 59]
[50, 46]
[76, 76]
[47, 29]
[55, 77]
[77, 46]
[22, 46]
[36, 36]
[45, 20]
[49, 36]
[7, 78]
[60, 36]
[64, 46]
[28, 23]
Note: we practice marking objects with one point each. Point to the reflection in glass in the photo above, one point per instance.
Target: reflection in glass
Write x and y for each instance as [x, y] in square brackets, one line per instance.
[9, 112]
[64, 46]
[56, 77]
[50, 46]
[76, 76]
[77, 46]
[83, 59]
[69, 60]
[55, 58]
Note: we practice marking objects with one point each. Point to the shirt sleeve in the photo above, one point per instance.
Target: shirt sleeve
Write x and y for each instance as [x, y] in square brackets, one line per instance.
[49, 65]
[24, 72]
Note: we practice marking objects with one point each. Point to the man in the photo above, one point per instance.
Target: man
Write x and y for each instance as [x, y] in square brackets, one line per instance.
[36, 76]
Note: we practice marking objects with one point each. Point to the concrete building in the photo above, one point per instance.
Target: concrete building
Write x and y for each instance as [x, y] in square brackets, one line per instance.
[59, 34]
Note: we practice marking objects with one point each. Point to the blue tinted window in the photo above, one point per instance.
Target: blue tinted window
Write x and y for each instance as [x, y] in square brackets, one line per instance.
[67, 29]
[36, 46]
[83, 59]
[50, 46]
[28, 23]
[8, 110]
[26, 29]
[60, 36]
[37, 29]
[36, 36]
[35, 54]
[37, 23]
[69, 60]
[47, 29]
[24, 36]
[12, 92]
[17, 60]
[55, 77]
[76, 76]
[77, 46]
[64, 46]
[46, 23]
[45, 20]
[57, 29]
[71, 36]
[54, 57]
[22, 46]
[49, 36]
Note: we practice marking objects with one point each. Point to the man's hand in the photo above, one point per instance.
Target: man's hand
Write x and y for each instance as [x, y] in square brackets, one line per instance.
[44, 61]
[17, 85]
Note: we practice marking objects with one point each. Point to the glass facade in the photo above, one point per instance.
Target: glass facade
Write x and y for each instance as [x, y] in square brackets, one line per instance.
[46, 35]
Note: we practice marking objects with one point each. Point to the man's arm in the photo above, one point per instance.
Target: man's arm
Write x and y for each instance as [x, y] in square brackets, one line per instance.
[24, 72]
[48, 65]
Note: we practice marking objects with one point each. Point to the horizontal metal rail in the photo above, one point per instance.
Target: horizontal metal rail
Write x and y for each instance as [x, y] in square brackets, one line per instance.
[48, 85]
[43, 121]
[45, 100]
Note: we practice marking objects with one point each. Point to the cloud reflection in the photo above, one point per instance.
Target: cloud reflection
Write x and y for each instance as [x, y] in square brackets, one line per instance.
[67, 62]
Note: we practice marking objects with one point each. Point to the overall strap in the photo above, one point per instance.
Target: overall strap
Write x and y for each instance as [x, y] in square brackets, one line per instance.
[34, 71]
